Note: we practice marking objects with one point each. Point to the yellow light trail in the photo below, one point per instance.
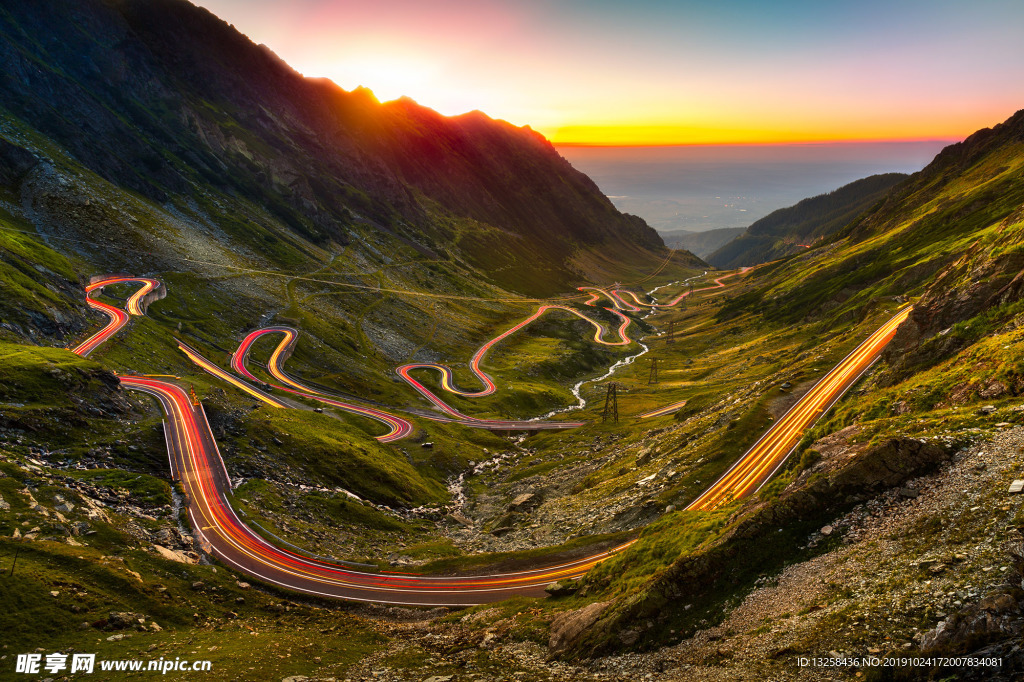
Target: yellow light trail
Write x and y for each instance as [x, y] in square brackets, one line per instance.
[771, 450]
[668, 409]
[224, 376]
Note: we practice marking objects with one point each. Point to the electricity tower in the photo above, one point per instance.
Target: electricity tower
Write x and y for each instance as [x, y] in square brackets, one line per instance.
[653, 378]
[611, 404]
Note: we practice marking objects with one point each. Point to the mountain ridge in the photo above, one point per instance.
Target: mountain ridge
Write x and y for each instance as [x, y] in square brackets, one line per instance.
[163, 97]
[893, 494]
[788, 230]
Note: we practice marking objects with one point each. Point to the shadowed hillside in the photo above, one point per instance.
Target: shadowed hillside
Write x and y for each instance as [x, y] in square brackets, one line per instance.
[150, 138]
[165, 99]
[790, 230]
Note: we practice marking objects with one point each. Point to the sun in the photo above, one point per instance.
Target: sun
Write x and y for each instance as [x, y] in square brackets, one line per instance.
[390, 76]
[393, 73]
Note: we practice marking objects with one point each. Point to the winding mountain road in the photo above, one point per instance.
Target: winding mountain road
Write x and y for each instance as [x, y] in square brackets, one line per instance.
[617, 296]
[118, 317]
[197, 463]
[398, 427]
[447, 379]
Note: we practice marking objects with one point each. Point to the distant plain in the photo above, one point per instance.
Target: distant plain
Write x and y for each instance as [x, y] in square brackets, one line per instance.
[705, 187]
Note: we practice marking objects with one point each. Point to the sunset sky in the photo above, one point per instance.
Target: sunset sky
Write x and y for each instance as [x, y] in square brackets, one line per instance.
[668, 72]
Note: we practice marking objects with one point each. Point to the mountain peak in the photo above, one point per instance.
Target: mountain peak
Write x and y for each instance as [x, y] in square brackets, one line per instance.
[162, 97]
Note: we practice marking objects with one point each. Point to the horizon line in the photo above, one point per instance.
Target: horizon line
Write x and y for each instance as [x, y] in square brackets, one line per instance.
[910, 140]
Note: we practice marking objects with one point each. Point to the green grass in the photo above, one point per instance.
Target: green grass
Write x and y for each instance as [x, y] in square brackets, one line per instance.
[334, 456]
[900, 248]
[44, 377]
[802, 315]
[660, 544]
[511, 561]
[35, 278]
[238, 638]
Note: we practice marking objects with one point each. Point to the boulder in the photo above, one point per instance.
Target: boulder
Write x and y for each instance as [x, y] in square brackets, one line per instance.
[174, 555]
[568, 626]
[562, 588]
[997, 616]
[524, 502]
[119, 620]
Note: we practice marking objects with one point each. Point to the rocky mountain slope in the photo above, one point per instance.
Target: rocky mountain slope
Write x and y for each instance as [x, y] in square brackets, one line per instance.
[946, 238]
[790, 230]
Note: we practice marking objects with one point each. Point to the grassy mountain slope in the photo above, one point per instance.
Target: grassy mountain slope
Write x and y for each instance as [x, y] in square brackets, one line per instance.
[948, 239]
[150, 138]
[789, 230]
[412, 265]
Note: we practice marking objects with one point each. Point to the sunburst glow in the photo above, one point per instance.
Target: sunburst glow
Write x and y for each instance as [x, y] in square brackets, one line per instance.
[659, 72]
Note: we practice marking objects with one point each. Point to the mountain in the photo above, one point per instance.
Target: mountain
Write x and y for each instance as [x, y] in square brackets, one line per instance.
[151, 138]
[942, 401]
[701, 244]
[164, 99]
[788, 230]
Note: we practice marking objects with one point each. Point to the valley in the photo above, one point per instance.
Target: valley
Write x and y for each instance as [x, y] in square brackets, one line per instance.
[197, 466]
[315, 387]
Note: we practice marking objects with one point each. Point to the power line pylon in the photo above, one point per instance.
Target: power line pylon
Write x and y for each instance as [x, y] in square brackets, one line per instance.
[653, 378]
[611, 404]
[671, 332]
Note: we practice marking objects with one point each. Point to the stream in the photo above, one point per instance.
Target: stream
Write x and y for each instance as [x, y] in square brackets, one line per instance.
[456, 483]
[577, 389]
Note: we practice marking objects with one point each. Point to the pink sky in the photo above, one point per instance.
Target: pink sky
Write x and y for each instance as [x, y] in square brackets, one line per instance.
[668, 72]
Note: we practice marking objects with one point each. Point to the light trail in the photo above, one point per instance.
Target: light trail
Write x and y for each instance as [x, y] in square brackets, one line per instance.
[670, 253]
[216, 371]
[765, 457]
[205, 482]
[398, 427]
[668, 409]
[117, 317]
[197, 462]
[617, 296]
[447, 378]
